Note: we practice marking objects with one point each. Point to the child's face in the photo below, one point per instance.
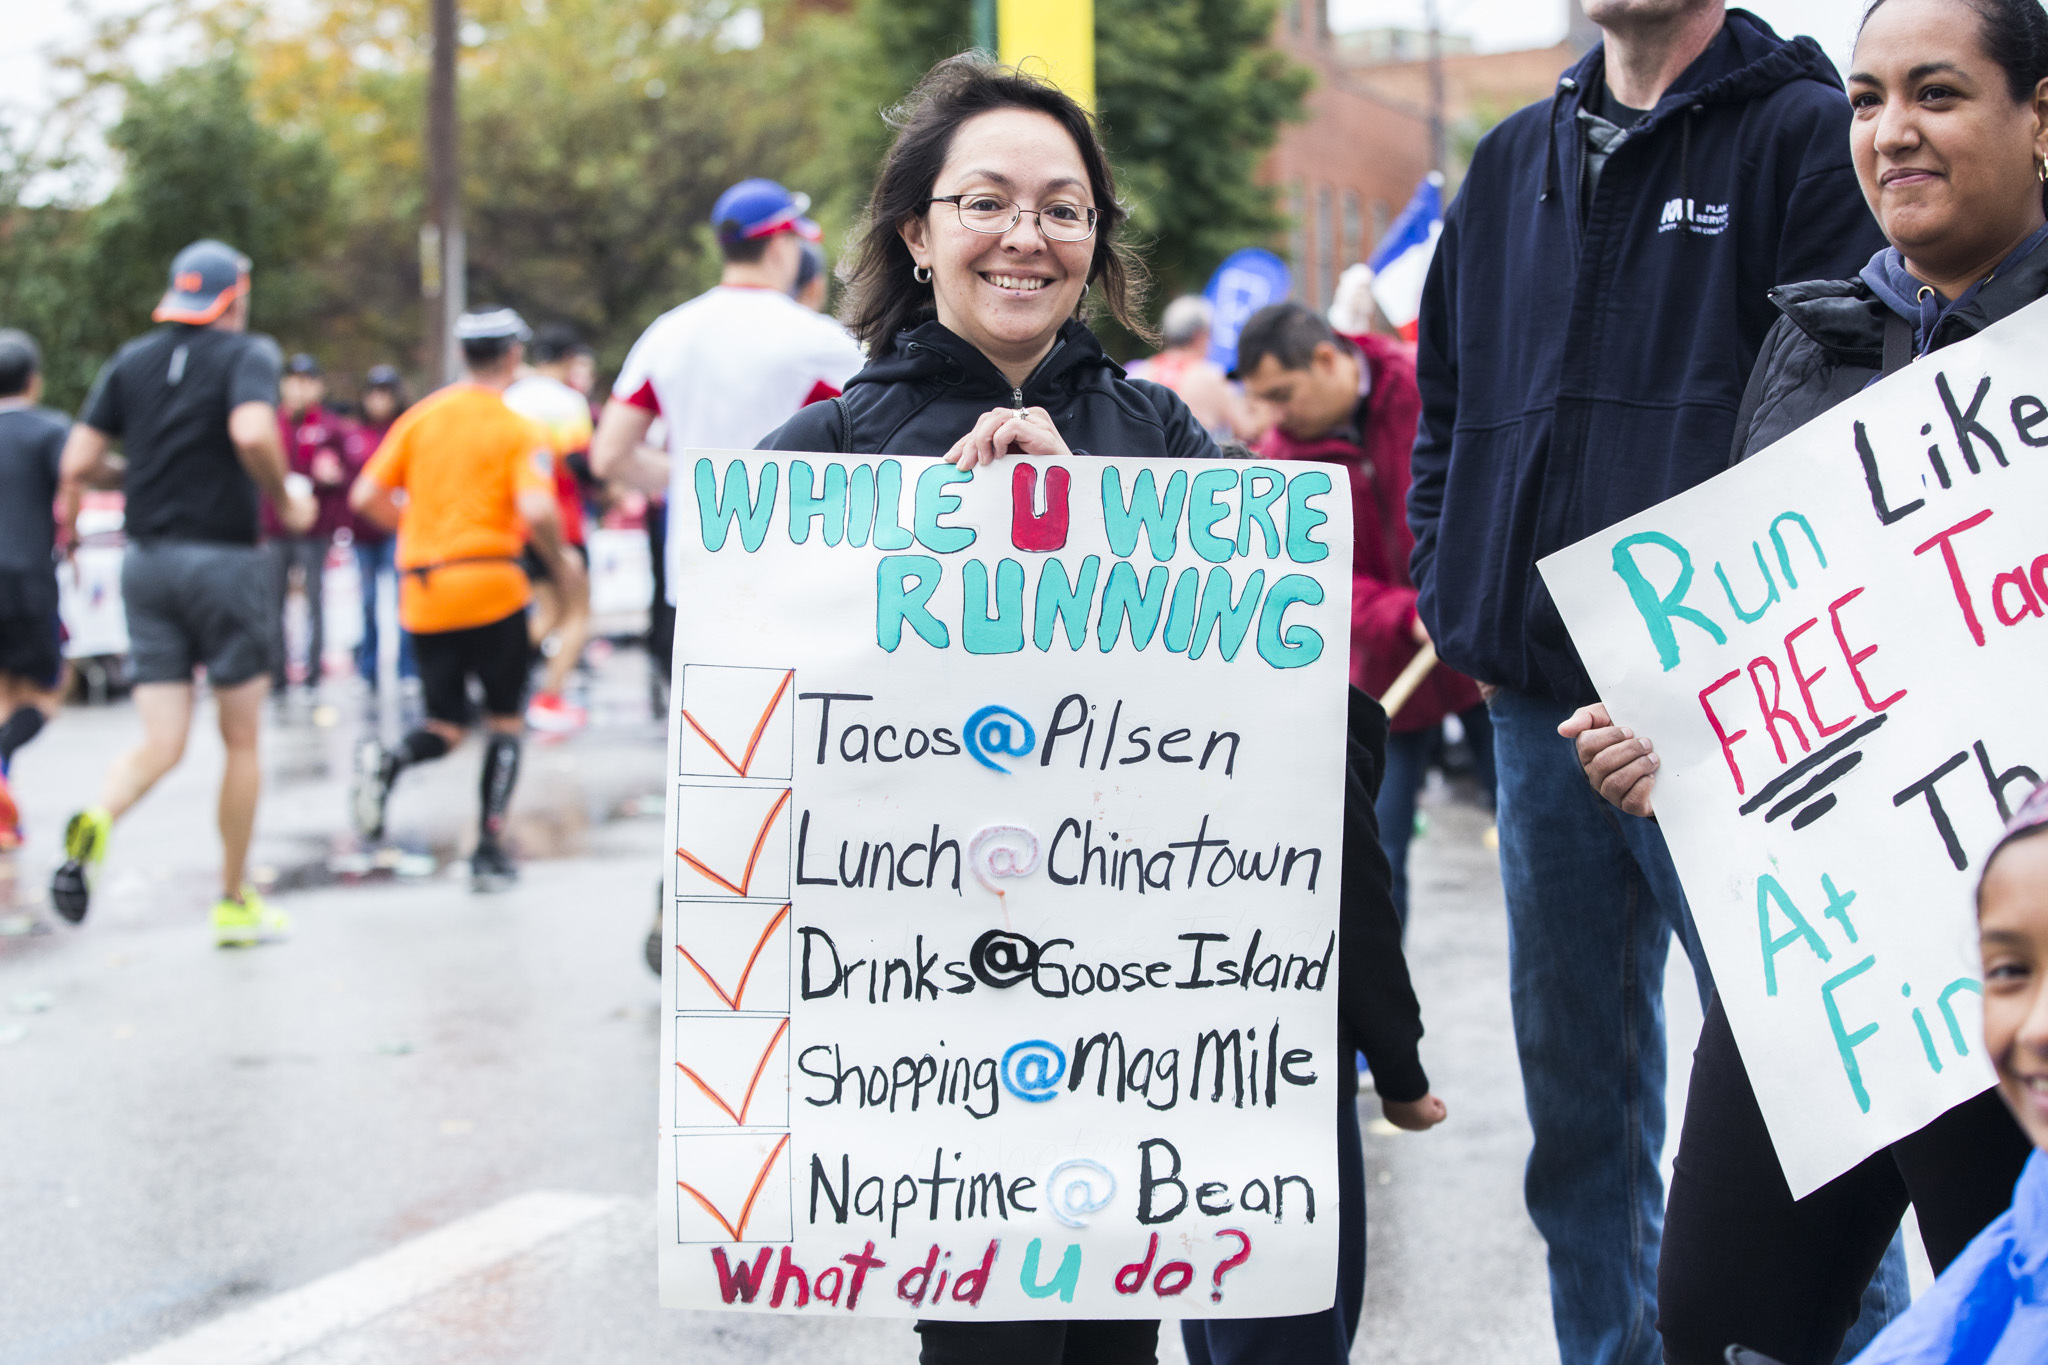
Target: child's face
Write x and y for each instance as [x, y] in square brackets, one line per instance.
[2012, 922]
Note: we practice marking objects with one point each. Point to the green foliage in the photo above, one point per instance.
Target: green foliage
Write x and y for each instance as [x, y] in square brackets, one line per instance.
[595, 134]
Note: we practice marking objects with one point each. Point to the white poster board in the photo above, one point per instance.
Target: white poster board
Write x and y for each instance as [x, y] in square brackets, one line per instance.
[1839, 649]
[1002, 918]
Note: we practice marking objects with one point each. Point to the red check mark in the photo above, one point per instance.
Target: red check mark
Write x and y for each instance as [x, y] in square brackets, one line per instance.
[736, 1230]
[739, 888]
[746, 759]
[732, 1002]
[747, 1101]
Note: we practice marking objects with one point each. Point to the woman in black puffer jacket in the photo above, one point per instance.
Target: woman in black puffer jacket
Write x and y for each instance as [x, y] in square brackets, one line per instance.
[1950, 142]
[993, 213]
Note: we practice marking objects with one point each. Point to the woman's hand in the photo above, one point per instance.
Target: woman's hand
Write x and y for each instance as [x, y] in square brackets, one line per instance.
[1008, 431]
[1620, 766]
[1414, 1116]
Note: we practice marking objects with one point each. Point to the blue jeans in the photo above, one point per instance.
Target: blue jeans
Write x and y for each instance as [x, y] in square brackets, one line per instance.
[1312, 1338]
[374, 558]
[1592, 901]
[1408, 757]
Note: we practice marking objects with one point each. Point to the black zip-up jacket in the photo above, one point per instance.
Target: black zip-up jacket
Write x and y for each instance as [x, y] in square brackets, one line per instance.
[1829, 345]
[925, 394]
[1578, 366]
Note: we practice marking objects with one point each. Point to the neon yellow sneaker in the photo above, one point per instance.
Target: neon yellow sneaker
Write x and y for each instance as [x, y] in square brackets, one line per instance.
[85, 848]
[247, 922]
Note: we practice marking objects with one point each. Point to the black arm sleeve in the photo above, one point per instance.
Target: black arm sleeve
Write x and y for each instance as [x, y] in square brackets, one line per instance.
[1377, 1012]
[813, 428]
[254, 378]
[102, 410]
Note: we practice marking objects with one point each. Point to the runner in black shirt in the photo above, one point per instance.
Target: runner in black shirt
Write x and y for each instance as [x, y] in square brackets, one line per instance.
[194, 404]
[31, 655]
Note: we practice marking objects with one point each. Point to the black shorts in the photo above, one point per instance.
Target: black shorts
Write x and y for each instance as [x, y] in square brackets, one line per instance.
[495, 655]
[31, 635]
[193, 602]
[537, 568]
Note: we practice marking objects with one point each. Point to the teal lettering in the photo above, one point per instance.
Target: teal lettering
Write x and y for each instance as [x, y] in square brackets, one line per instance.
[1926, 1038]
[889, 532]
[1838, 906]
[1254, 508]
[1770, 588]
[897, 603]
[1768, 890]
[716, 513]
[1230, 621]
[1180, 612]
[1157, 516]
[1657, 612]
[1784, 558]
[1004, 632]
[1204, 512]
[1121, 598]
[1301, 519]
[1846, 1043]
[933, 502]
[1282, 645]
[1948, 1013]
[827, 508]
[860, 504]
[1062, 602]
[1064, 1280]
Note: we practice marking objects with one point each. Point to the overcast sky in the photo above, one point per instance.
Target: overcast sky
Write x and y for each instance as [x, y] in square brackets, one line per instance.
[1494, 25]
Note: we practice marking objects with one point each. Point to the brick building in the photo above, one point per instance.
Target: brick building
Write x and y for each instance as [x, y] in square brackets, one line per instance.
[1344, 172]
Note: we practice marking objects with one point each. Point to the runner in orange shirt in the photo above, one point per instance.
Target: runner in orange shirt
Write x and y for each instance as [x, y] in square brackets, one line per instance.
[478, 481]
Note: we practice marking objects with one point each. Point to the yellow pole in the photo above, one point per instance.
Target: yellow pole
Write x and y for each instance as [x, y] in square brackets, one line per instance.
[1053, 38]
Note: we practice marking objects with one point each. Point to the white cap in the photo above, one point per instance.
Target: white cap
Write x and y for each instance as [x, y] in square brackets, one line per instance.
[496, 324]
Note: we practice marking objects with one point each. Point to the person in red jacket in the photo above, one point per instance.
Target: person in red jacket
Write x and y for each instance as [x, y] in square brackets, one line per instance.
[315, 442]
[1351, 400]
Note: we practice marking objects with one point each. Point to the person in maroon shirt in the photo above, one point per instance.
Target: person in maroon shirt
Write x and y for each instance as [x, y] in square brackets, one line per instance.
[382, 399]
[1351, 400]
[314, 445]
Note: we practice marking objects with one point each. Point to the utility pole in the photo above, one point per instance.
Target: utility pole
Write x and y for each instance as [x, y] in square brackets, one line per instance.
[985, 25]
[1436, 87]
[443, 260]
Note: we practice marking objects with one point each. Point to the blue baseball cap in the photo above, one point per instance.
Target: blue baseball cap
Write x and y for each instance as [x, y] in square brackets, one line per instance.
[757, 208]
[206, 278]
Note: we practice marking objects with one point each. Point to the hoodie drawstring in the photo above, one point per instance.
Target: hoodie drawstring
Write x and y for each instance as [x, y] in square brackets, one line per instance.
[1565, 86]
[1685, 159]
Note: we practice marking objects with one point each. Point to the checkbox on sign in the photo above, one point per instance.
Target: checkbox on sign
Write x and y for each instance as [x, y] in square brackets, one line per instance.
[731, 957]
[737, 722]
[732, 1187]
[732, 1072]
[732, 841]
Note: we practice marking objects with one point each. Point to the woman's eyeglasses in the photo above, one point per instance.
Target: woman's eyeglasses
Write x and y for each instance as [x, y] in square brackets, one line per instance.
[1060, 222]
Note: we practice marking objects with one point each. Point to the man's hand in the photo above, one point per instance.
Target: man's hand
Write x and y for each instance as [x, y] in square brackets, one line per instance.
[1488, 691]
[1008, 431]
[1415, 1116]
[328, 470]
[1620, 766]
[299, 512]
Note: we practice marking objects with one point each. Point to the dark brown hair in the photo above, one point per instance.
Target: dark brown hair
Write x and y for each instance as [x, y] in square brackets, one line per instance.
[883, 298]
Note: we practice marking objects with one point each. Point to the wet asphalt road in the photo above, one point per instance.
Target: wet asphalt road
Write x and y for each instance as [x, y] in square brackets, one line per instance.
[186, 1134]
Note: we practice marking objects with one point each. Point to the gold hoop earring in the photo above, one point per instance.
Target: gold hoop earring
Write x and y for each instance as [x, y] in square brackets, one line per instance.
[2041, 169]
[921, 273]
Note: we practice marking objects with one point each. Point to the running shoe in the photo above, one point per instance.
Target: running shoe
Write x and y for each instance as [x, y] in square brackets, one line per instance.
[246, 922]
[10, 818]
[491, 868]
[376, 770]
[85, 848]
[551, 715]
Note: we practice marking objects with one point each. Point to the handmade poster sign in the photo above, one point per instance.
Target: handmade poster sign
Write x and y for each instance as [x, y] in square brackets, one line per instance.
[1006, 817]
[1838, 647]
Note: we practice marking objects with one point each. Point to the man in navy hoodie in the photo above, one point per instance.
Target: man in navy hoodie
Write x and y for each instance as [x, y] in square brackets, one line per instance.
[1591, 316]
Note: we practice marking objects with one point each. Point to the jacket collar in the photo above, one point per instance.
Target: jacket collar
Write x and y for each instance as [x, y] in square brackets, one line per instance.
[931, 353]
[1745, 60]
[1847, 318]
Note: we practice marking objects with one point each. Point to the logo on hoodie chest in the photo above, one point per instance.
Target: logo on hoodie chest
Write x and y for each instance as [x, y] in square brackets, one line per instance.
[1689, 215]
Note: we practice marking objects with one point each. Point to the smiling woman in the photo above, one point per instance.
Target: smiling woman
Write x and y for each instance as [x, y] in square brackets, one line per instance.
[1950, 143]
[994, 214]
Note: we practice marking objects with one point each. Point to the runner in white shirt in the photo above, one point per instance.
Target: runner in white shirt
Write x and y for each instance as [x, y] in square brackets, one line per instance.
[731, 365]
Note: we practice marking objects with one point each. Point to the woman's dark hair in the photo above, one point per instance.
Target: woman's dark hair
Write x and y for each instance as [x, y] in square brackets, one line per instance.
[883, 298]
[2015, 35]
